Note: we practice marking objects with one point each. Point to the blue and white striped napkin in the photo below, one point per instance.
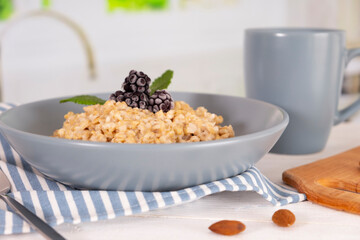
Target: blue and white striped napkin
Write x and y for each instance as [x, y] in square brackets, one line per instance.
[57, 203]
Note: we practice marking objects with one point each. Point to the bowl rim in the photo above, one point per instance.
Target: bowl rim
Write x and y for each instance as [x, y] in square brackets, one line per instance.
[61, 141]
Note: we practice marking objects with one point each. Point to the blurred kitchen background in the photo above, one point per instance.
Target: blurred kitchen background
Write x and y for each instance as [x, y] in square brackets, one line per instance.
[51, 48]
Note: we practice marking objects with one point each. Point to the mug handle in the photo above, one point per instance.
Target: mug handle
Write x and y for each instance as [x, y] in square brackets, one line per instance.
[345, 113]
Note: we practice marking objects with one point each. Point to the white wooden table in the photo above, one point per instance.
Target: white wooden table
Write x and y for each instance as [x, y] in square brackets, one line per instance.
[191, 220]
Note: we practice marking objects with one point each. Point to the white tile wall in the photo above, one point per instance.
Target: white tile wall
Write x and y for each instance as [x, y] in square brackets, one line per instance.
[42, 58]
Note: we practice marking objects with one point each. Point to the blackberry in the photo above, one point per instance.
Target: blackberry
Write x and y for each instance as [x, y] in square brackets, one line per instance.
[137, 82]
[132, 99]
[118, 96]
[136, 90]
[136, 94]
[160, 100]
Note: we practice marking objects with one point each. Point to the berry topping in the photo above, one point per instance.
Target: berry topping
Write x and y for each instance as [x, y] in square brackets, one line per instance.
[161, 100]
[137, 92]
[137, 82]
[132, 99]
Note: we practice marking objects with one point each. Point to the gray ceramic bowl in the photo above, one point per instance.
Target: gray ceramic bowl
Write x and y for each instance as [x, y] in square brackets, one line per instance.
[147, 167]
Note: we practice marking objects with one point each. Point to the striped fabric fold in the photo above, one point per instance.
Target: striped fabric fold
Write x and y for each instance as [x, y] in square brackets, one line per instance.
[56, 203]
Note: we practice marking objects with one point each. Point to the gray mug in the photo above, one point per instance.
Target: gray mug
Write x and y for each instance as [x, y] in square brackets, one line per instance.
[300, 70]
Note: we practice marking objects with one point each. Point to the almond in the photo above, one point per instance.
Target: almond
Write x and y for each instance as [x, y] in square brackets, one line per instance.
[283, 218]
[227, 227]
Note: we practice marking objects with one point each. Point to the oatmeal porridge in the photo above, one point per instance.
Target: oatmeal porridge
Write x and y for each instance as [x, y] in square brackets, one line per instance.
[117, 122]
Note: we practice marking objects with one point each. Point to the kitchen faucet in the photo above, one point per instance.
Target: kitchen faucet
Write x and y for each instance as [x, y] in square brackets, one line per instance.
[57, 16]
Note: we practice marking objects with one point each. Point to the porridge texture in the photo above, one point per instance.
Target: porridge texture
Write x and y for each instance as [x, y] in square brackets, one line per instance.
[117, 122]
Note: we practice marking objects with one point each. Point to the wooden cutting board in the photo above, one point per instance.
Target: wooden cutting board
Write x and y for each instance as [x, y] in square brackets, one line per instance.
[333, 182]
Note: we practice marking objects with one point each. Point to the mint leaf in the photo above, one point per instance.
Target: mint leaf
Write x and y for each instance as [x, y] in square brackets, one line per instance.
[85, 100]
[161, 82]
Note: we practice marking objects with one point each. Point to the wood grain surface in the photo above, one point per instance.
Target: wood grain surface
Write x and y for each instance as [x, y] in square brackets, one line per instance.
[333, 182]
